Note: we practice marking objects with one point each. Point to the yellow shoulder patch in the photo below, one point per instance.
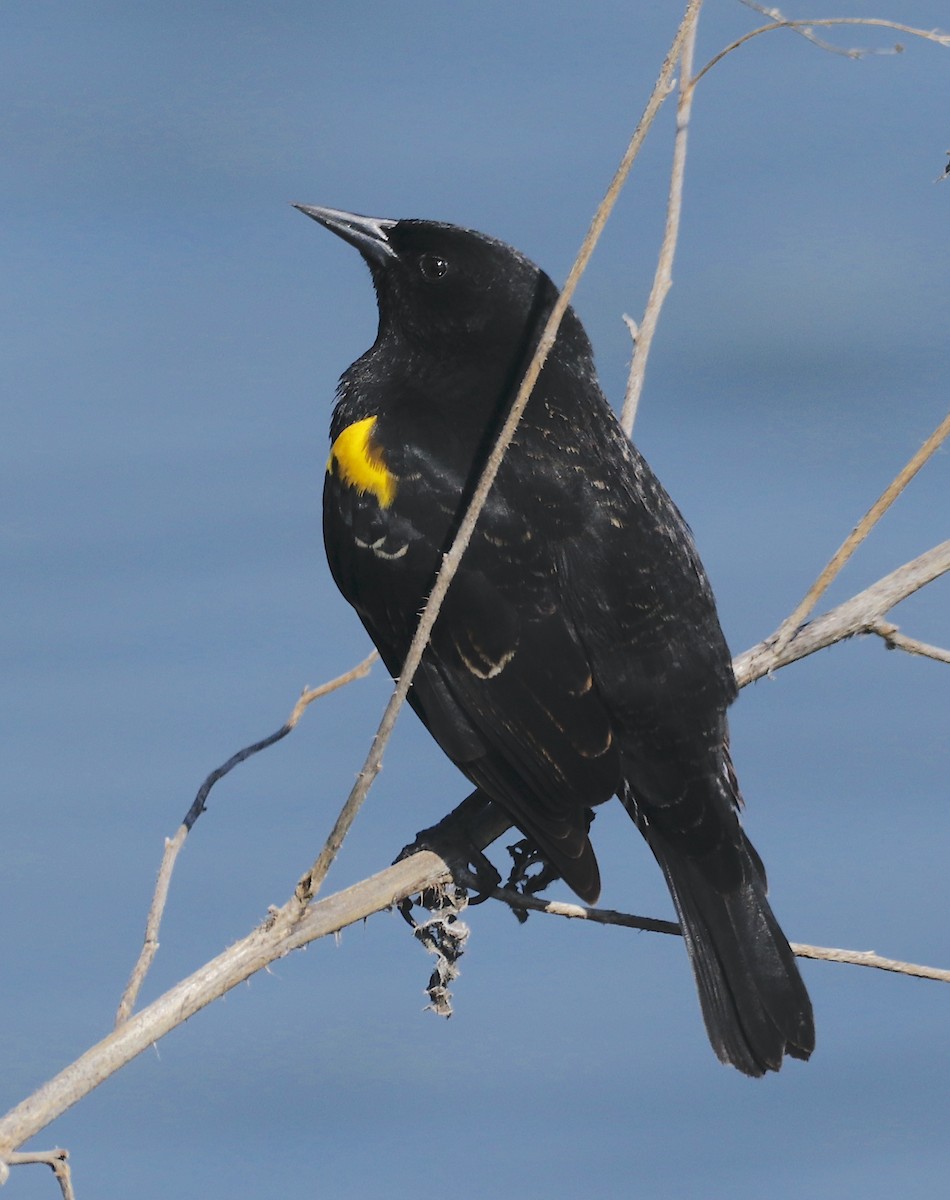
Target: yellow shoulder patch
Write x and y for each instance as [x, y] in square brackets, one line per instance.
[360, 463]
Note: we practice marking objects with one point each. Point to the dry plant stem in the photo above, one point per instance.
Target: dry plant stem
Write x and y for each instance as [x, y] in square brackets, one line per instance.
[58, 1160]
[307, 697]
[775, 14]
[663, 279]
[857, 535]
[270, 941]
[860, 614]
[900, 641]
[310, 884]
[642, 336]
[930, 35]
[867, 958]
[609, 916]
[173, 845]
[152, 923]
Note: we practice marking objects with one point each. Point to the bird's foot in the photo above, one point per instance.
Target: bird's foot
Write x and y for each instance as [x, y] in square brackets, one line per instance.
[530, 873]
[452, 840]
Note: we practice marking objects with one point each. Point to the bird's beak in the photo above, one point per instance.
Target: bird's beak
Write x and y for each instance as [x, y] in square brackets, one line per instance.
[370, 235]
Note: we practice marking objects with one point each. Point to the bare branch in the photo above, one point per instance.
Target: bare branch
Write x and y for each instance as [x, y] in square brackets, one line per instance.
[642, 336]
[283, 931]
[152, 923]
[310, 883]
[867, 958]
[806, 32]
[360, 671]
[930, 35]
[857, 615]
[663, 279]
[57, 1159]
[900, 641]
[609, 916]
[173, 845]
[861, 531]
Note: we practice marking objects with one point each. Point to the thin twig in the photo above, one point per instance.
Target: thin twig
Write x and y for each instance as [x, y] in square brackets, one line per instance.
[310, 883]
[609, 916]
[857, 535]
[854, 616]
[900, 641]
[930, 35]
[58, 1160]
[663, 278]
[867, 958]
[775, 14]
[307, 697]
[153, 922]
[173, 845]
[642, 335]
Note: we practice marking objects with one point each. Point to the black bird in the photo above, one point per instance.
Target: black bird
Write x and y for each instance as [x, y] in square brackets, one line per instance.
[578, 654]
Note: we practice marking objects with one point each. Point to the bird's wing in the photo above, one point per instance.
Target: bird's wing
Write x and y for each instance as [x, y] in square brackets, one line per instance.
[518, 678]
[642, 607]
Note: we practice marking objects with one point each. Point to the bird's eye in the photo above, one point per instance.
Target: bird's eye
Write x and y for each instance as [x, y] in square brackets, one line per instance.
[432, 266]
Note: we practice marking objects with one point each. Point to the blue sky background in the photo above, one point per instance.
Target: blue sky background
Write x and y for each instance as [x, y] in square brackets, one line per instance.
[170, 337]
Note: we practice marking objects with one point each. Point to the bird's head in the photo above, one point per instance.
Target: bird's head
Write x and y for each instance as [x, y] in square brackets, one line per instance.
[441, 288]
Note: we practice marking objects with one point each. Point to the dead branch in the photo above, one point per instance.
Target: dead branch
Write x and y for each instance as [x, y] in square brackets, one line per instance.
[900, 641]
[860, 614]
[58, 1160]
[609, 916]
[862, 529]
[642, 335]
[930, 35]
[173, 845]
[809, 35]
[284, 930]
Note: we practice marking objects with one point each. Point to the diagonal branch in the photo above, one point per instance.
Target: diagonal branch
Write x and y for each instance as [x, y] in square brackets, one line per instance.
[609, 916]
[930, 35]
[900, 641]
[861, 531]
[663, 278]
[58, 1160]
[809, 35]
[174, 844]
[270, 941]
[857, 615]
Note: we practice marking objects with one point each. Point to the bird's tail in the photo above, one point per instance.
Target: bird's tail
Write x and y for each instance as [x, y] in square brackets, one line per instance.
[753, 999]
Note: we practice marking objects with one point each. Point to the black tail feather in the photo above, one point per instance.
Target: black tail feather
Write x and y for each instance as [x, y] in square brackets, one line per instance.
[753, 999]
